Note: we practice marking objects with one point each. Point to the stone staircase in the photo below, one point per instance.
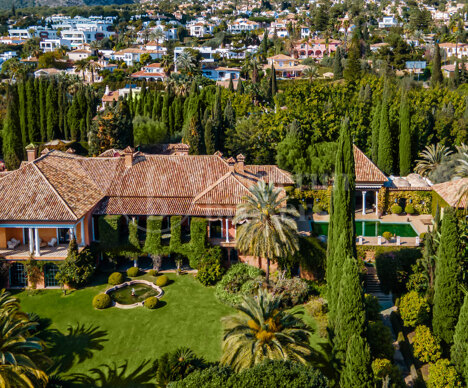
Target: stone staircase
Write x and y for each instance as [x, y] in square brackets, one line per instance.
[373, 287]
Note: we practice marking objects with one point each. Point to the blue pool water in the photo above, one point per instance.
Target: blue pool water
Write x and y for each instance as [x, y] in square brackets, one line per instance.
[370, 228]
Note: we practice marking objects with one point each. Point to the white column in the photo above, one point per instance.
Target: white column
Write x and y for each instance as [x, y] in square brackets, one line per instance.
[37, 242]
[227, 230]
[71, 233]
[364, 203]
[209, 229]
[377, 202]
[31, 241]
[82, 232]
[398, 240]
[379, 240]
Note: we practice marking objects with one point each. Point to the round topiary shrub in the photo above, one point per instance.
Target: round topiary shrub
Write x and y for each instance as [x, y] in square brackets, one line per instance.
[115, 278]
[409, 209]
[414, 309]
[387, 236]
[162, 280]
[151, 302]
[396, 209]
[152, 272]
[133, 271]
[102, 301]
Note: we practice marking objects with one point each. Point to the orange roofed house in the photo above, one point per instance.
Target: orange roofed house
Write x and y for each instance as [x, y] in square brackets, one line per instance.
[60, 194]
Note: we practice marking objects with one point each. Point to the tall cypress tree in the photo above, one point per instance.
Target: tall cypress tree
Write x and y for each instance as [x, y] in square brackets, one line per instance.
[459, 350]
[405, 137]
[437, 76]
[240, 87]
[447, 293]
[22, 112]
[357, 370]
[342, 230]
[165, 111]
[352, 71]
[209, 137]
[274, 87]
[194, 135]
[385, 156]
[52, 111]
[12, 143]
[337, 65]
[456, 74]
[351, 316]
[32, 113]
[218, 121]
[229, 115]
[43, 109]
[231, 85]
[74, 116]
[375, 126]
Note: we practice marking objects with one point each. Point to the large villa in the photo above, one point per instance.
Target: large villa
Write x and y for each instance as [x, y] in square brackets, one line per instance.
[60, 194]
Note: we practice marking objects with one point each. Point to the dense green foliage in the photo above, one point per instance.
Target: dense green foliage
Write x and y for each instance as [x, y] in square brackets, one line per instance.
[78, 268]
[210, 269]
[459, 350]
[239, 280]
[414, 309]
[281, 374]
[133, 272]
[161, 280]
[426, 347]
[357, 371]
[151, 302]
[115, 278]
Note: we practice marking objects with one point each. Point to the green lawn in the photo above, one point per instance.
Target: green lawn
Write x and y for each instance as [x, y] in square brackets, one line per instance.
[83, 338]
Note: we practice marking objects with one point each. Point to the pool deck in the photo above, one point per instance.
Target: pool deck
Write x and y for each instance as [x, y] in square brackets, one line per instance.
[419, 222]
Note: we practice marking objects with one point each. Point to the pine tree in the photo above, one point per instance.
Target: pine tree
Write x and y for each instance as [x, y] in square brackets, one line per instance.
[405, 137]
[240, 87]
[447, 293]
[12, 143]
[52, 111]
[351, 314]
[437, 76]
[375, 126]
[337, 65]
[32, 113]
[274, 87]
[209, 138]
[459, 350]
[341, 230]
[357, 370]
[385, 155]
[352, 71]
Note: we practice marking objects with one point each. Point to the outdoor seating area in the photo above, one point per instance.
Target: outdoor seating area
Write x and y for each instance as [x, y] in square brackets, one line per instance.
[22, 252]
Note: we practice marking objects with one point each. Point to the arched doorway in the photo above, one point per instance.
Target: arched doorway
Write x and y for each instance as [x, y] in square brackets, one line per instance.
[50, 270]
[18, 276]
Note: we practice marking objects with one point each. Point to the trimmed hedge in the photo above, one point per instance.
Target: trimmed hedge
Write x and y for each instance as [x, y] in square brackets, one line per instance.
[133, 271]
[152, 272]
[109, 232]
[153, 244]
[115, 278]
[175, 244]
[161, 281]
[151, 302]
[102, 301]
[422, 201]
[396, 209]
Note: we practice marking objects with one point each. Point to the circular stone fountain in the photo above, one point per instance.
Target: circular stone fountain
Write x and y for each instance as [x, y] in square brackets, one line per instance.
[133, 293]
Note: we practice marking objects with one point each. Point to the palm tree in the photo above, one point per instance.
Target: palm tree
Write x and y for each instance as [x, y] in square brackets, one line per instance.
[311, 73]
[21, 354]
[270, 230]
[262, 330]
[186, 63]
[92, 67]
[431, 158]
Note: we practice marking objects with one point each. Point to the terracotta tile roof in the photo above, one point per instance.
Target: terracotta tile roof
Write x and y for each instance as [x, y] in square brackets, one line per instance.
[452, 192]
[366, 171]
[62, 186]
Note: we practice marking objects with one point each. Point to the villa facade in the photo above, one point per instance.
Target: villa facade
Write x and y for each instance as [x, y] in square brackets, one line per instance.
[58, 195]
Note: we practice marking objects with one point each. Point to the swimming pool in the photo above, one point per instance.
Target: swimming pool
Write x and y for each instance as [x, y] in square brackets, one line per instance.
[370, 228]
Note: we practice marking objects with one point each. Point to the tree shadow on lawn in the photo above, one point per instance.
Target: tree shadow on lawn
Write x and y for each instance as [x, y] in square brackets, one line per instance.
[111, 376]
[75, 346]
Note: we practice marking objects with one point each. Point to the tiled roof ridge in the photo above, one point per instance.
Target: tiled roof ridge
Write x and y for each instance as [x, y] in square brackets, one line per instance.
[212, 186]
[53, 188]
[283, 172]
[370, 162]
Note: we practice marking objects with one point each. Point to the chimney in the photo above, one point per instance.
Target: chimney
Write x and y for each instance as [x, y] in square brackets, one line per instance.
[128, 154]
[31, 152]
[219, 154]
[232, 163]
[240, 162]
